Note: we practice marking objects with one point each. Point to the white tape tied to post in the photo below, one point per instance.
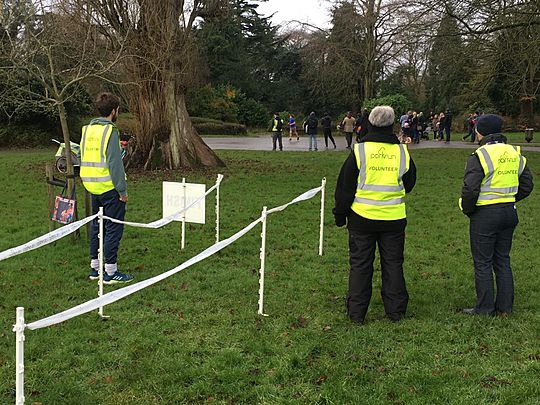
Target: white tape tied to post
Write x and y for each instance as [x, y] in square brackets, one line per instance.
[114, 296]
[46, 239]
[167, 220]
[117, 295]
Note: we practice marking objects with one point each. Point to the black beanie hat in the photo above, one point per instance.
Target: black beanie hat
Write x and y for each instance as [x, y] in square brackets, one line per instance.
[489, 124]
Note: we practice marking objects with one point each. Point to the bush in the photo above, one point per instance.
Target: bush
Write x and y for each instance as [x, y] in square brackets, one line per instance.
[26, 136]
[227, 128]
[398, 102]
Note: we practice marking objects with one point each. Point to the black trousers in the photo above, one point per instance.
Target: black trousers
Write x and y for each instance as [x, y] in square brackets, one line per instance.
[361, 256]
[114, 208]
[491, 231]
[328, 134]
[348, 138]
[276, 136]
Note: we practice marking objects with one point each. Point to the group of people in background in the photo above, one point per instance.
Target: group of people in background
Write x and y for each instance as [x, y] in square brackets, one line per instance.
[349, 125]
[413, 127]
[416, 126]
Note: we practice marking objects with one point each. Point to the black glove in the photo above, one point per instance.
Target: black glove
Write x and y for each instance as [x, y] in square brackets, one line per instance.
[341, 220]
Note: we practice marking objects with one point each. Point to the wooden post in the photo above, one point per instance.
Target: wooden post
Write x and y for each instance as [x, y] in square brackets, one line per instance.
[88, 211]
[51, 195]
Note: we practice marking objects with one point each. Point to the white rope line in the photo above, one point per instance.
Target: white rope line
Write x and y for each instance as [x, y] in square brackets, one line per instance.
[46, 239]
[70, 228]
[167, 220]
[117, 295]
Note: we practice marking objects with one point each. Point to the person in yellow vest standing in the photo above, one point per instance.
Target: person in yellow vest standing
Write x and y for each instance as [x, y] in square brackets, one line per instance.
[370, 199]
[103, 175]
[496, 177]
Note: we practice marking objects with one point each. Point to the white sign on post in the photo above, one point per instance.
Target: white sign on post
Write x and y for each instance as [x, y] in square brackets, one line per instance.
[173, 200]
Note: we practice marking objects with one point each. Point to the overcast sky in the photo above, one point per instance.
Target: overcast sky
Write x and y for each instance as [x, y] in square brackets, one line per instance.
[314, 12]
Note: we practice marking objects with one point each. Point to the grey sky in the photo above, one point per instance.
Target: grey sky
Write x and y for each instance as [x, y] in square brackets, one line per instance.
[314, 12]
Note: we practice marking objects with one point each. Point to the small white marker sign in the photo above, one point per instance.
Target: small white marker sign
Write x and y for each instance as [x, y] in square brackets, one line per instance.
[174, 200]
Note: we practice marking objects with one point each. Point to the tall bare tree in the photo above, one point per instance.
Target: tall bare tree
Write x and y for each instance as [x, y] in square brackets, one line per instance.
[163, 63]
[49, 46]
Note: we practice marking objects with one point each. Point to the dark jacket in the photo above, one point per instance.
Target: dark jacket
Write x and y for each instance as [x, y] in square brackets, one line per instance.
[326, 122]
[447, 120]
[347, 184]
[311, 124]
[474, 174]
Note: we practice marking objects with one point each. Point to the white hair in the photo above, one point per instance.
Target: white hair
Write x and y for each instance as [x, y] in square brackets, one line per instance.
[382, 116]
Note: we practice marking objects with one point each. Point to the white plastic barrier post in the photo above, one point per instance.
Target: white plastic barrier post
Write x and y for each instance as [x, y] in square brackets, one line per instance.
[263, 260]
[101, 257]
[182, 244]
[218, 183]
[323, 187]
[18, 328]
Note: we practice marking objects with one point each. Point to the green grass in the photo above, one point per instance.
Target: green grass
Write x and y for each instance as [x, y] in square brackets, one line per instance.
[196, 338]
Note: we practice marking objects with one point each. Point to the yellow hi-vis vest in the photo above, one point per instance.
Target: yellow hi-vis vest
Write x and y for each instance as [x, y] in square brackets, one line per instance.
[380, 192]
[275, 126]
[95, 173]
[502, 164]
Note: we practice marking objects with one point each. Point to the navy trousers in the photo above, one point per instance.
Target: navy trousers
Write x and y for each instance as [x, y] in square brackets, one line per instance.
[491, 231]
[361, 256]
[114, 208]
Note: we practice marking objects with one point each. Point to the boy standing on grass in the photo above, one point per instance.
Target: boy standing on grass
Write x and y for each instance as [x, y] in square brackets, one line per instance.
[496, 177]
[103, 175]
[370, 199]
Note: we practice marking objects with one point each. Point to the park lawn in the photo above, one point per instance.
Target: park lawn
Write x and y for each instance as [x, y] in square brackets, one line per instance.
[196, 337]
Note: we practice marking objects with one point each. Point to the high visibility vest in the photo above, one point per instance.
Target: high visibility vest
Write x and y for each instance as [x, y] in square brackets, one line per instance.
[502, 164]
[380, 194]
[276, 123]
[95, 174]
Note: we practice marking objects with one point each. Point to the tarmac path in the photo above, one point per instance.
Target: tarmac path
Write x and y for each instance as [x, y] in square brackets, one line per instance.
[265, 143]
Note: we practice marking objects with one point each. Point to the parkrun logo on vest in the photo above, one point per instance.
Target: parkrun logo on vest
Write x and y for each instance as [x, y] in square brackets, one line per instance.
[506, 159]
[382, 155]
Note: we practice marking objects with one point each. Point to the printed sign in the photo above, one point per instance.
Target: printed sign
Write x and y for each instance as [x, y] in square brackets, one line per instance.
[173, 200]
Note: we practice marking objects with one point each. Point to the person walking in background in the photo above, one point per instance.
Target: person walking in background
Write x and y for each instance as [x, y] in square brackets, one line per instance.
[447, 125]
[369, 198]
[311, 125]
[326, 123]
[276, 128]
[362, 125]
[496, 177]
[422, 126]
[470, 127]
[103, 176]
[406, 129]
[348, 128]
[292, 128]
[435, 126]
[414, 127]
[440, 126]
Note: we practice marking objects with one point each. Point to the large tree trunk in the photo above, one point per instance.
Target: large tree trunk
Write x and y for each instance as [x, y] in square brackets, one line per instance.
[185, 146]
[165, 135]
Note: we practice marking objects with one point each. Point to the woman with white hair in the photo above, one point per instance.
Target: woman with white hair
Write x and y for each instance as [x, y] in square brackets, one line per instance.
[369, 198]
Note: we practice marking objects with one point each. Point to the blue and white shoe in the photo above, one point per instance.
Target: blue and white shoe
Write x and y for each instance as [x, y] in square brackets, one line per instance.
[94, 275]
[117, 278]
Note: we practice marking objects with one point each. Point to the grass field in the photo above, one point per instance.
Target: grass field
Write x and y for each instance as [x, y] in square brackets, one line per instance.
[195, 337]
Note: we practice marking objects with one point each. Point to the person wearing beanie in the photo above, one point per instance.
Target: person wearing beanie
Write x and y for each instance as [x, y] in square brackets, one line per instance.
[496, 177]
[310, 124]
[369, 198]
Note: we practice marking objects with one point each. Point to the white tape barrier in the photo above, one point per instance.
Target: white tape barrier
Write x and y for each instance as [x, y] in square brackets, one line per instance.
[167, 220]
[117, 295]
[46, 239]
[303, 197]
